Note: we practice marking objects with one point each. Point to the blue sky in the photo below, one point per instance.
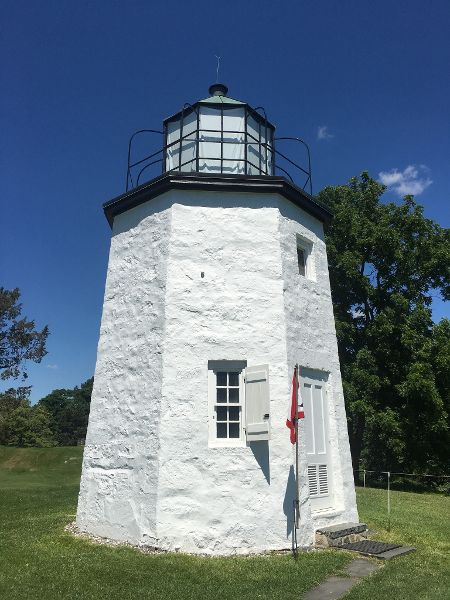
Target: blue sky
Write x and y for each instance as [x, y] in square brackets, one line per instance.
[367, 84]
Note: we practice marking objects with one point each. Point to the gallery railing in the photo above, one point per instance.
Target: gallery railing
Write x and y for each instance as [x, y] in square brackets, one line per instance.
[270, 159]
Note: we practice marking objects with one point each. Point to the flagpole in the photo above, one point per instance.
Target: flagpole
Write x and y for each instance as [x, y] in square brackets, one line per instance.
[297, 492]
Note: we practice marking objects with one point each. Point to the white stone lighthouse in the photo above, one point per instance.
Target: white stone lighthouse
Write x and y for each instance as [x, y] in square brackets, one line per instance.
[217, 287]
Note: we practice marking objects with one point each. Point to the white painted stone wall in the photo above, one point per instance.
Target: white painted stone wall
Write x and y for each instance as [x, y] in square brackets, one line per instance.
[311, 342]
[119, 483]
[149, 476]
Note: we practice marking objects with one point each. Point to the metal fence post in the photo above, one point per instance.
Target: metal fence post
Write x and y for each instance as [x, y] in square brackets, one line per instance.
[364, 478]
[389, 499]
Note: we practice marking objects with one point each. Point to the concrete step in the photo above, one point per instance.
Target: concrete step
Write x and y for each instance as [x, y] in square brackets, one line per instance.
[338, 535]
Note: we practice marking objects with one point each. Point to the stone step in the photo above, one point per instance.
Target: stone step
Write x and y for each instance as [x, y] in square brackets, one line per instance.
[338, 535]
[396, 552]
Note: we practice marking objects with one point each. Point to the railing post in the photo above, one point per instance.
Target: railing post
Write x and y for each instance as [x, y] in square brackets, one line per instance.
[389, 499]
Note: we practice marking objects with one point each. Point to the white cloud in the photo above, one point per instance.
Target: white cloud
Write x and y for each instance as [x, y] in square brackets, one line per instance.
[323, 133]
[51, 366]
[412, 180]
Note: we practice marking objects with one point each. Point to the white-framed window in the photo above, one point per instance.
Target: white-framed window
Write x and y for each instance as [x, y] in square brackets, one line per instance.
[239, 403]
[226, 395]
[305, 258]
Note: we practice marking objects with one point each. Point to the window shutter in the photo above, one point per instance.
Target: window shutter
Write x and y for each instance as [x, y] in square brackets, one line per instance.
[257, 403]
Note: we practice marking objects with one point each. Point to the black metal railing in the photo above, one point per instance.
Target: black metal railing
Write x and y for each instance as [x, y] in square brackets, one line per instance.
[270, 159]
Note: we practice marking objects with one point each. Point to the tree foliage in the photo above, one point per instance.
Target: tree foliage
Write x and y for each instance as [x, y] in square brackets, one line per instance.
[69, 412]
[386, 261]
[60, 418]
[19, 340]
[22, 424]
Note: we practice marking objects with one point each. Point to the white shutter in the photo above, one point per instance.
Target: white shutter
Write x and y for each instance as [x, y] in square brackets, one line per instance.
[257, 403]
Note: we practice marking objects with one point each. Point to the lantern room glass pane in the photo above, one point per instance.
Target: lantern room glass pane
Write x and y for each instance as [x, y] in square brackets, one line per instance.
[253, 146]
[252, 129]
[234, 140]
[209, 147]
[173, 146]
[189, 123]
[210, 166]
[210, 119]
[188, 133]
[234, 120]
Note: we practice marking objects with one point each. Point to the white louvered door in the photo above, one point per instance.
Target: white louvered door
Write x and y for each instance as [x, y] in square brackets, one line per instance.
[313, 390]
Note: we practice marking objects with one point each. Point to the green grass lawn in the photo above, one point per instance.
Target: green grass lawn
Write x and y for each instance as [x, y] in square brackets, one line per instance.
[38, 560]
[419, 520]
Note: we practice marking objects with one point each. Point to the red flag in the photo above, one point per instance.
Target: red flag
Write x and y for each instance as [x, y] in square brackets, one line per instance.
[291, 420]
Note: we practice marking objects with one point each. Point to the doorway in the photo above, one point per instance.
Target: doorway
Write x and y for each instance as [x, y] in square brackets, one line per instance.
[314, 393]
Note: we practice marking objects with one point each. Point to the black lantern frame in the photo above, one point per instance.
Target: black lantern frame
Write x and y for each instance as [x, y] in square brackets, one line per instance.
[270, 158]
[200, 136]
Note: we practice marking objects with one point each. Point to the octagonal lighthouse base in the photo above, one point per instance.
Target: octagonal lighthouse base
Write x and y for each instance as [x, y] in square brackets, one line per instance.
[205, 284]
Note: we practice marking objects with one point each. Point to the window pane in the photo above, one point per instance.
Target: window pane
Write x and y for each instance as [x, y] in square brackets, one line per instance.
[234, 430]
[210, 118]
[222, 430]
[233, 413]
[234, 395]
[233, 119]
[221, 413]
[301, 261]
[221, 379]
[221, 394]
[234, 379]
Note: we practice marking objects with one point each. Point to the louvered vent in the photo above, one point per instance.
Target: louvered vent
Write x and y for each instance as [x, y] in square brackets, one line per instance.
[318, 480]
[312, 480]
[323, 480]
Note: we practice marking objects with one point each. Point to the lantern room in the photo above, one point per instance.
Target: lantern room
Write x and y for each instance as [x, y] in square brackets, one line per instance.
[219, 135]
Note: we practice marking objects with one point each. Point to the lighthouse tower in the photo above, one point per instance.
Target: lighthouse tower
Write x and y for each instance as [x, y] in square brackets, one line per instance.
[217, 286]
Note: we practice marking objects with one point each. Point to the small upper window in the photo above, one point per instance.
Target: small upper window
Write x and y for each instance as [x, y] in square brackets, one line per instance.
[305, 258]
[301, 259]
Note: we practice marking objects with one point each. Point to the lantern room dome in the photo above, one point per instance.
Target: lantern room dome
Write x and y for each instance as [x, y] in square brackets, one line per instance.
[219, 135]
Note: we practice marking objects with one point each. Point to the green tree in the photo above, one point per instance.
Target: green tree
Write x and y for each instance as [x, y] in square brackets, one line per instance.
[19, 340]
[69, 411]
[9, 401]
[386, 261]
[22, 424]
[29, 426]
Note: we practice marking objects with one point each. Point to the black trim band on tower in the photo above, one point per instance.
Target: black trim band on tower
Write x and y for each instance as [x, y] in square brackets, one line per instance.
[257, 184]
